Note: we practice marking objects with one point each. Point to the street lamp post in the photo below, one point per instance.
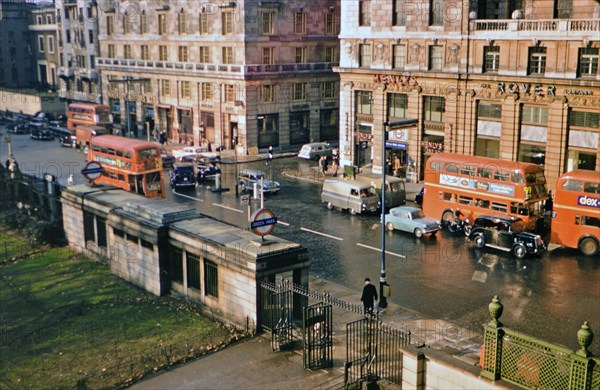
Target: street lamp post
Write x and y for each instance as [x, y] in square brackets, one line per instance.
[387, 126]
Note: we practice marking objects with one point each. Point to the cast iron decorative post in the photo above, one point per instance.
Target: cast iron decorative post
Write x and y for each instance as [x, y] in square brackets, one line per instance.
[582, 362]
[492, 342]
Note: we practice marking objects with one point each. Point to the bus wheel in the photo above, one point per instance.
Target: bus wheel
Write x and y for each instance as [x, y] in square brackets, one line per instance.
[588, 246]
[447, 216]
[480, 241]
[329, 205]
[519, 251]
[418, 233]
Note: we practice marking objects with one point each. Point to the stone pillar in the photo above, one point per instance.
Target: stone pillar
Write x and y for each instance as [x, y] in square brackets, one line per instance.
[510, 120]
[413, 368]
[556, 142]
[492, 342]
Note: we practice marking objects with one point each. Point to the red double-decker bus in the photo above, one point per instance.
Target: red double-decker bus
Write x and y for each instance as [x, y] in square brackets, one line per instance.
[88, 114]
[484, 186]
[130, 164]
[576, 212]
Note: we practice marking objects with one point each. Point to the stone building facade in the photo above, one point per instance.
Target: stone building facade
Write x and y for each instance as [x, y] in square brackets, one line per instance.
[240, 73]
[514, 80]
[44, 45]
[15, 44]
[77, 26]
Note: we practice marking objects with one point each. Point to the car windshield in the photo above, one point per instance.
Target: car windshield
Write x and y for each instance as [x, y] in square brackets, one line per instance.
[518, 226]
[185, 169]
[367, 192]
[417, 214]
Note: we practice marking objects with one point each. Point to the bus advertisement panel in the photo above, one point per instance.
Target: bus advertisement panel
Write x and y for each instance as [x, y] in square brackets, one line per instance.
[88, 114]
[133, 165]
[484, 186]
[576, 212]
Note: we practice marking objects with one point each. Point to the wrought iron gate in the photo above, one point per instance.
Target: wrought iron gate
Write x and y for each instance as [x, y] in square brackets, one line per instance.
[318, 339]
[373, 351]
[276, 317]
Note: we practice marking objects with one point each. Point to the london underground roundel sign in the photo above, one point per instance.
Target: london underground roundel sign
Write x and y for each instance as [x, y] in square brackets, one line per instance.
[262, 222]
[92, 171]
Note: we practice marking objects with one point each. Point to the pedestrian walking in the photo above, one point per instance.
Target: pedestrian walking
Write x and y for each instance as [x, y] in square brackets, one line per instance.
[70, 180]
[269, 155]
[369, 296]
[549, 204]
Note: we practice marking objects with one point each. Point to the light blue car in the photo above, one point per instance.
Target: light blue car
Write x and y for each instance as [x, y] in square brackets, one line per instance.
[412, 220]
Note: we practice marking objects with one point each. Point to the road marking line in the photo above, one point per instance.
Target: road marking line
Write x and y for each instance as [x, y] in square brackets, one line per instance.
[227, 207]
[322, 234]
[187, 196]
[379, 250]
[283, 223]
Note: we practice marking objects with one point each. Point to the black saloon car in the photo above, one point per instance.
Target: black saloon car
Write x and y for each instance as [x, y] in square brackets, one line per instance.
[42, 135]
[182, 175]
[207, 166]
[506, 234]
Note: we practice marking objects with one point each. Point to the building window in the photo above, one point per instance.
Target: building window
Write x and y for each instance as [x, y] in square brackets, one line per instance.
[266, 93]
[163, 55]
[176, 265]
[299, 23]
[207, 91]
[399, 59]
[111, 51]
[298, 91]
[397, 104]
[41, 44]
[328, 89]
[230, 93]
[563, 9]
[267, 22]
[363, 102]
[364, 60]
[211, 279]
[193, 271]
[588, 62]
[491, 58]
[537, 60]
[489, 110]
[181, 19]
[329, 130]
[40, 19]
[227, 23]
[434, 108]
[91, 36]
[399, 13]
[186, 90]
[330, 54]
[436, 12]
[534, 115]
[584, 119]
[183, 55]
[204, 55]
[268, 130]
[436, 57]
[227, 54]
[126, 26]
[364, 12]
[51, 45]
[533, 152]
[300, 56]
[110, 24]
[147, 86]
[299, 127]
[165, 87]
[267, 55]
[127, 52]
[143, 23]
[203, 23]
[145, 52]
[330, 24]
[162, 24]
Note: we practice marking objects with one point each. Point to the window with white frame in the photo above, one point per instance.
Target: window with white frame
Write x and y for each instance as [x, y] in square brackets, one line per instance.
[163, 54]
[186, 90]
[328, 89]
[203, 23]
[183, 54]
[145, 51]
[298, 91]
[227, 55]
[330, 54]
[364, 12]
[299, 23]
[267, 55]
[300, 55]
[165, 87]
[204, 55]
[266, 93]
[227, 23]
[50, 44]
[436, 57]
[330, 24]
[182, 23]
[491, 58]
[364, 56]
[588, 62]
[399, 56]
[267, 22]
[207, 91]
[41, 45]
[537, 60]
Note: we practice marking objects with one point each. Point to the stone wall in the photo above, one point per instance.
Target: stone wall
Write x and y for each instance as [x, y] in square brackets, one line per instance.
[30, 103]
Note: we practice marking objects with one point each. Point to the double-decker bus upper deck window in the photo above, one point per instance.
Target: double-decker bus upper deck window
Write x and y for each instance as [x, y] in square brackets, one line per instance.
[119, 153]
[148, 153]
[111, 151]
[486, 173]
[499, 206]
[127, 154]
[531, 178]
[452, 168]
[103, 149]
[468, 170]
[501, 175]
[572, 185]
[591, 188]
[95, 148]
[483, 203]
[436, 165]
[517, 177]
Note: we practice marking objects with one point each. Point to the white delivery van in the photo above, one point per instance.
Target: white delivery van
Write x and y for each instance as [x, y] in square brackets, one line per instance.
[349, 195]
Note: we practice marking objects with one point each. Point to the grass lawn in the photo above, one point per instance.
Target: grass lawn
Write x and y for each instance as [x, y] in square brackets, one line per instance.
[67, 322]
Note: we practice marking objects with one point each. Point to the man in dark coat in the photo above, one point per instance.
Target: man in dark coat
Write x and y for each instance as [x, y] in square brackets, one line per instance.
[369, 296]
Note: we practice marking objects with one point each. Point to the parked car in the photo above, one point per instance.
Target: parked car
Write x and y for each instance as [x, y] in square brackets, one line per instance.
[42, 135]
[182, 175]
[419, 197]
[69, 141]
[167, 159]
[248, 177]
[189, 151]
[206, 164]
[18, 128]
[315, 150]
[349, 195]
[506, 234]
[411, 220]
